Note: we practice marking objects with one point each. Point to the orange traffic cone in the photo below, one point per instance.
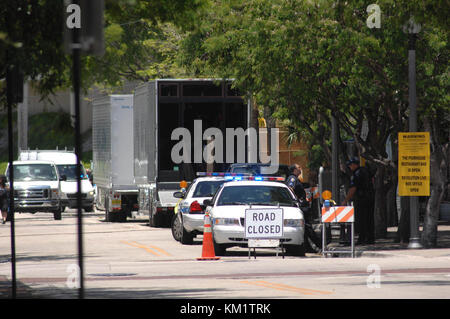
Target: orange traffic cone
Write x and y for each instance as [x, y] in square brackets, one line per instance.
[208, 246]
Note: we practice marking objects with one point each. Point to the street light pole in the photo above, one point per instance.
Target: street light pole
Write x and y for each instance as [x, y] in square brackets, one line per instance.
[83, 34]
[76, 73]
[11, 81]
[413, 28]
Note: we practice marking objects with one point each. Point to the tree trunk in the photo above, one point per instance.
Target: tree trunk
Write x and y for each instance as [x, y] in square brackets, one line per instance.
[380, 203]
[391, 204]
[254, 115]
[403, 231]
[255, 124]
[392, 212]
[270, 123]
[438, 180]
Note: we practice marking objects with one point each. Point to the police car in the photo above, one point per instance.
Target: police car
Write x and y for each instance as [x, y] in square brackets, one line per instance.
[227, 210]
[259, 169]
[189, 218]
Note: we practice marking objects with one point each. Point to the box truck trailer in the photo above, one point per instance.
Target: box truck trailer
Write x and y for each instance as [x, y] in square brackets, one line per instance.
[112, 155]
[163, 111]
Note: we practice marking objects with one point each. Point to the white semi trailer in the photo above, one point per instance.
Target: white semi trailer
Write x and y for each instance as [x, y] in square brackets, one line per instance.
[160, 108]
[112, 154]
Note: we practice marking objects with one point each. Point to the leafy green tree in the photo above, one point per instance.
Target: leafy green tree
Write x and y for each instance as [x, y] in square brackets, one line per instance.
[31, 35]
[135, 51]
[142, 40]
[308, 60]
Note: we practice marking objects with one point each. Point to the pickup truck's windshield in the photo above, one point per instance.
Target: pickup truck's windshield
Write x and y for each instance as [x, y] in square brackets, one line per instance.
[70, 170]
[35, 172]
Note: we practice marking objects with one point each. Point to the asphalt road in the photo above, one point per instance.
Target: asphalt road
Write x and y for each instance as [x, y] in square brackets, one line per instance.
[134, 261]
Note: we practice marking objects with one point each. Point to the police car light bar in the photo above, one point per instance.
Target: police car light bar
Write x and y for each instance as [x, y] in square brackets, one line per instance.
[220, 174]
[242, 176]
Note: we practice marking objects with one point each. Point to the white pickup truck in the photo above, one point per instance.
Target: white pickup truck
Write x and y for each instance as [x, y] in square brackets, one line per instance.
[65, 162]
[37, 187]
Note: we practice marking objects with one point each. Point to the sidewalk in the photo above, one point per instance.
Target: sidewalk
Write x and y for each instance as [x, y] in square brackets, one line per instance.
[387, 247]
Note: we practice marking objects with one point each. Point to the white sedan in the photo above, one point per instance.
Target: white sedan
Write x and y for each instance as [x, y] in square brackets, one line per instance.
[228, 209]
[189, 219]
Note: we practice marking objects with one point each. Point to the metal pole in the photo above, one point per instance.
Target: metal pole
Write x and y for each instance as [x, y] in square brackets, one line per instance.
[335, 159]
[324, 247]
[334, 171]
[414, 240]
[76, 52]
[353, 239]
[9, 99]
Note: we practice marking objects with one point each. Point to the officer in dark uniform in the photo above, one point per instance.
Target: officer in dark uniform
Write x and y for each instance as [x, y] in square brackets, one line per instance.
[311, 240]
[361, 192]
[293, 182]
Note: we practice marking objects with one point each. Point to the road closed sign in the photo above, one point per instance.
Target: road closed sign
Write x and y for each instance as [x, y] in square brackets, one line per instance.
[264, 223]
[414, 164]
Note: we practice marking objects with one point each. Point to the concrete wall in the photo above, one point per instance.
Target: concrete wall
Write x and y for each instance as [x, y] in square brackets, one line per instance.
[62, 101]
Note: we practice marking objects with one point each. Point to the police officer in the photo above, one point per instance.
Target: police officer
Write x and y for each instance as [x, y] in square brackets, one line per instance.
[294, 183]
[312, 241]
[361, 192]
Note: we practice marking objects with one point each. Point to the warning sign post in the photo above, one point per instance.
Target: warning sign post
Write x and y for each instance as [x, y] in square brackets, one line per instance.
[414, 164]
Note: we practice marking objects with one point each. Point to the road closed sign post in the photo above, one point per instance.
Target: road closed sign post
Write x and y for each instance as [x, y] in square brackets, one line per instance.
[263, 227]
[414, 164]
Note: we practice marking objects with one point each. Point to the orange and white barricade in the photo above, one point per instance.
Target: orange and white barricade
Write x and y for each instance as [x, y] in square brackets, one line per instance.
[338, 214]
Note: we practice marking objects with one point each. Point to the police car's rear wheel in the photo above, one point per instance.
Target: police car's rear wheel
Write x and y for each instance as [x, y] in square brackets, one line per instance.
[176, 227]
[186, 238]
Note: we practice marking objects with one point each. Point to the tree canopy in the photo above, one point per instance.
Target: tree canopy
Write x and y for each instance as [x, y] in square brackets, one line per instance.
[31, 35]
[309, 60]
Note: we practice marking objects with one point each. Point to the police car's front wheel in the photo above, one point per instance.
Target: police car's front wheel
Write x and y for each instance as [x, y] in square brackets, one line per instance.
[296, 250]
[219, 249]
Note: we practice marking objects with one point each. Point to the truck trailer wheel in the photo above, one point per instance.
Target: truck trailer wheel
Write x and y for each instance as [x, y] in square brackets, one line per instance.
[155, 219]
[114, 217]
[89, 209]
[108, 216]
[57, 215]
[121, 217]
[117, 217]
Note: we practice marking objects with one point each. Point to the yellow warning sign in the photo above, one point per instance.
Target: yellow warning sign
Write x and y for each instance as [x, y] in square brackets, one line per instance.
[414, 164]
